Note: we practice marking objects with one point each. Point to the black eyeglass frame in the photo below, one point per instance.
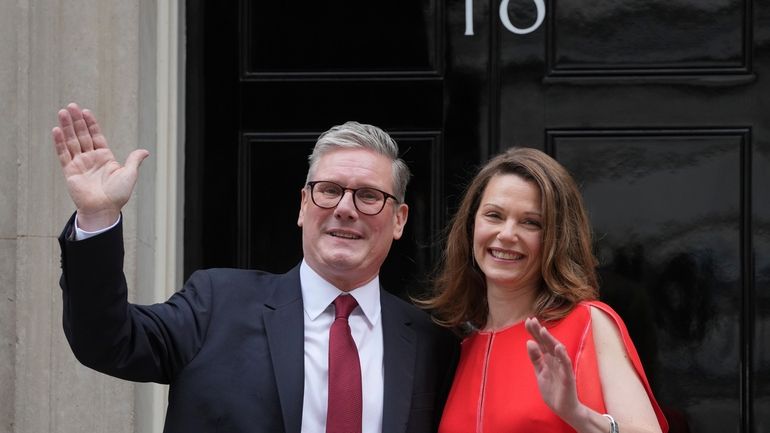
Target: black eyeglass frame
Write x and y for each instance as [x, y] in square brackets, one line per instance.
[353, 191]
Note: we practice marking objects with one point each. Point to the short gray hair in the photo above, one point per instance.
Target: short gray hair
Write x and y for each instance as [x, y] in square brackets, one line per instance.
[351, 135]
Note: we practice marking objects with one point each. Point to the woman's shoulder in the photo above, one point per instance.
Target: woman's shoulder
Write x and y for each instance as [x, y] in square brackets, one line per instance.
[599, 305]
[604, 315]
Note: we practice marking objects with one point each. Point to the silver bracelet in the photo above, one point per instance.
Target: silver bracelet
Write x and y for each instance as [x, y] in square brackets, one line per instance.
[613, 424]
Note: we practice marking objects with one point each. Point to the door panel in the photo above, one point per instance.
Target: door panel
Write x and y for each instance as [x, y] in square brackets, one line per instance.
[649, 38]
[670, 237]
[341, 39]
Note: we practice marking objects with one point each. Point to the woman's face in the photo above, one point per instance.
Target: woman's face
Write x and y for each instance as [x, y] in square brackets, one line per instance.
[508, 233]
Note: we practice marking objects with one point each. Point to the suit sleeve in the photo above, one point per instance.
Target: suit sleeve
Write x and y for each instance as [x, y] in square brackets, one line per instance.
[109, 334]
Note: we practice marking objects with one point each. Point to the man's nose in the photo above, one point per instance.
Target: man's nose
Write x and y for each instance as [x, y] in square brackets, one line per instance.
[346, 208]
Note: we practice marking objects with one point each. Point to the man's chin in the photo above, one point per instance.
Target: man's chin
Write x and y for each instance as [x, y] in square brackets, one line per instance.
[342, 262]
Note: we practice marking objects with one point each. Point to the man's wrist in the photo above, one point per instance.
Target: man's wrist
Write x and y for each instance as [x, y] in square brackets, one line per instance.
[83, 234]
[96, 221]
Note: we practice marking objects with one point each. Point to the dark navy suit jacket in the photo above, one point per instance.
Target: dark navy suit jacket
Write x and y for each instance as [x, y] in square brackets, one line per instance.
[230, 344]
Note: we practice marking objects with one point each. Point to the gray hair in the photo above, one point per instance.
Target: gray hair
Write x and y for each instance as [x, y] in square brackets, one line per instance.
[351, 135]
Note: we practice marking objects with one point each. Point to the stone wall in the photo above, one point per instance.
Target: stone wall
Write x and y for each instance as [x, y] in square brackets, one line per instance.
[103, 55]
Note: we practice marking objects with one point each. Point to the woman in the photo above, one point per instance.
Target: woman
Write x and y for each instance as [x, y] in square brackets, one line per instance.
[519, 273]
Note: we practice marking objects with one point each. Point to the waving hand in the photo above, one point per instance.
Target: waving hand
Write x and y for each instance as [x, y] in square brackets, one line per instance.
[98, 184]
[553, 369]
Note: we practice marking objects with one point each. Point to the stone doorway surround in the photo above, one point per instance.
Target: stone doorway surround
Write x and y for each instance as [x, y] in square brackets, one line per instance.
[125, 61]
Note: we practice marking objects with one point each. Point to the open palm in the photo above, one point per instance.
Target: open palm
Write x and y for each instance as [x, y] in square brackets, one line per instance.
[98, 184]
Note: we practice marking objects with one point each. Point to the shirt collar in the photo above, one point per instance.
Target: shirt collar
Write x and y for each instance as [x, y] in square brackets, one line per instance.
[318, 294]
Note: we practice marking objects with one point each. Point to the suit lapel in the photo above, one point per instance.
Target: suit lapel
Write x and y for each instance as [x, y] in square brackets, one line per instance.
[398, 358]
[284, 326]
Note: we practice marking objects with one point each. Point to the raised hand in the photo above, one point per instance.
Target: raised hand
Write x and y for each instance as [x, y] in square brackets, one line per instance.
[98, 184]
[553, 368]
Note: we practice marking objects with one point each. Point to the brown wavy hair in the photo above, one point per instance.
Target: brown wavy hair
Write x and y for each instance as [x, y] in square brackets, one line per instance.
[568, 266]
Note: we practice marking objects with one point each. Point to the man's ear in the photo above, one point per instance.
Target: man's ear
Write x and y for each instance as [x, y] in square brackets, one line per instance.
[399, 218]
[302, 206]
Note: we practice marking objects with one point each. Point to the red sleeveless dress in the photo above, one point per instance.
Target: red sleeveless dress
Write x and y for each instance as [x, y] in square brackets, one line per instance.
[495, 389]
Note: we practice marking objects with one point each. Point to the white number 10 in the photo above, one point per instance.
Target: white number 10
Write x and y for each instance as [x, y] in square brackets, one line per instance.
[505, 18]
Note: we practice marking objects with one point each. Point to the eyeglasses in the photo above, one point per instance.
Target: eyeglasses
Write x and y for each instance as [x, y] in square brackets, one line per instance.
[368, 201]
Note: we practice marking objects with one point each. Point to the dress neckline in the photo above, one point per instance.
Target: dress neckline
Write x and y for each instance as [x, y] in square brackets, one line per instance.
[503, 329]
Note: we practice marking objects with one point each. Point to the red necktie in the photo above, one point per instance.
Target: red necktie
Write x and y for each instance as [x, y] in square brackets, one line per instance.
[344, 399]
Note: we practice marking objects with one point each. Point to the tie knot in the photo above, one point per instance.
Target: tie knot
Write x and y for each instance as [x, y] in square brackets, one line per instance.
[343, 306]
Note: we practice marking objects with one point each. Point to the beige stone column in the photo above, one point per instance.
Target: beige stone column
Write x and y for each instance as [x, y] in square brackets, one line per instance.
[110, 56]
[8, 226]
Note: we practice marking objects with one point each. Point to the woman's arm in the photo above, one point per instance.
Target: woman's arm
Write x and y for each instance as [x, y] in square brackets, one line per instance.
[625, 397]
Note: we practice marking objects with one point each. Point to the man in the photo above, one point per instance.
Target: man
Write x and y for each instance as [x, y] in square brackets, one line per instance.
[248, 351]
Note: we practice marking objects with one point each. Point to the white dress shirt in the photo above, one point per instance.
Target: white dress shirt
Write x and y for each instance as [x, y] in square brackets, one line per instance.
[366, 327]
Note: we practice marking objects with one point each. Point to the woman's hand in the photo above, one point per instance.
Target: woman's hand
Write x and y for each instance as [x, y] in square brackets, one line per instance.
[555, 375]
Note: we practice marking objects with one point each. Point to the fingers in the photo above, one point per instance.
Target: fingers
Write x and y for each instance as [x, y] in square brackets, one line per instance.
[61, 146]
[80, 128]
[545, 341]
[68, 132]
[545, 346]
[564, 359]
[67, 126]
[535, 355]
[535, 329]
[541, 335]
[99, 142]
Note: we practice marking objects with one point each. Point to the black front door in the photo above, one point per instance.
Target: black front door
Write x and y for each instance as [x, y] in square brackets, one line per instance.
[658, 108]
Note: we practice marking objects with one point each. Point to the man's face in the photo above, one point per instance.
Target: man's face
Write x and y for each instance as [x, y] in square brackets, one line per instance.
[343, 245]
